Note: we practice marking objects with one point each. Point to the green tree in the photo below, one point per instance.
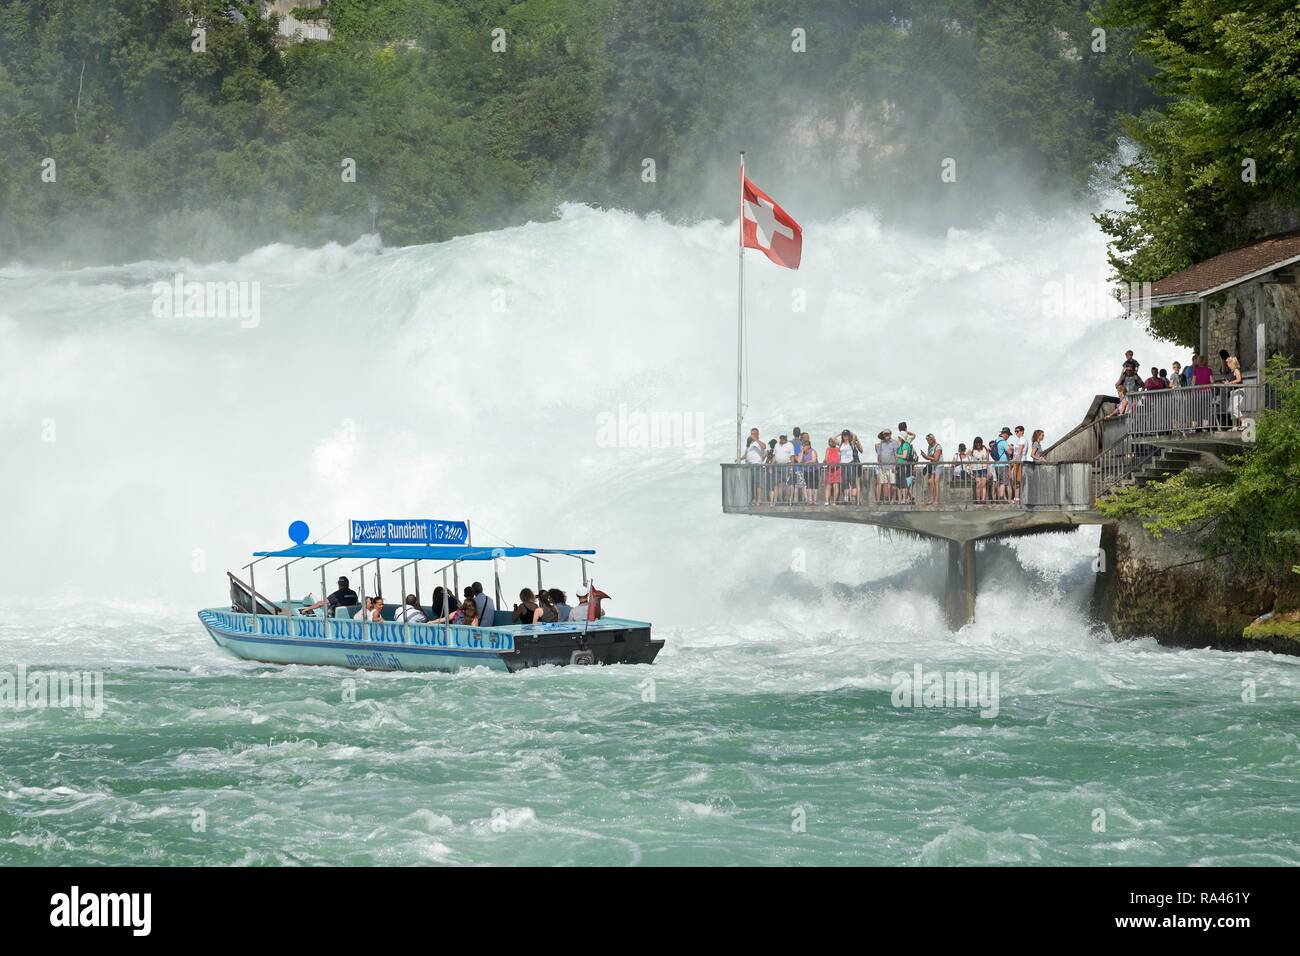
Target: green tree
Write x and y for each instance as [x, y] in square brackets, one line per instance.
[1218, 164]
[1251, 512]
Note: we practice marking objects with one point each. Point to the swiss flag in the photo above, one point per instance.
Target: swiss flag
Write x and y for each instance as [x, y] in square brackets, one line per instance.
[767, 227]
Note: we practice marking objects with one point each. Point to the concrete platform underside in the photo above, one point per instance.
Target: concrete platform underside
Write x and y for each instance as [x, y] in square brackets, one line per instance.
[959, 525]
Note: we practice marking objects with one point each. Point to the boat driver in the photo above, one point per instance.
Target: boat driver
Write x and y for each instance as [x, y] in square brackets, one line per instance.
[343, 597]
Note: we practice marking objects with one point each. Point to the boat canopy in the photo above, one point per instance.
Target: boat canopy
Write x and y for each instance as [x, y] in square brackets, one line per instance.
[412, 552]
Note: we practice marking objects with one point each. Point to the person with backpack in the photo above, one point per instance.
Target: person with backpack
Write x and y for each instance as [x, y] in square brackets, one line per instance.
[1019, 448]
[906, 458]
[1000, 452]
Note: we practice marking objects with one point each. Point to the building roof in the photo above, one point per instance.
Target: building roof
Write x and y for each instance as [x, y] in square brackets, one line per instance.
[1227, 269]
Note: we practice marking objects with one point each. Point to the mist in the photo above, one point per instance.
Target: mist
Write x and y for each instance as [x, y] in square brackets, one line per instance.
[931, 118]
[472, 379]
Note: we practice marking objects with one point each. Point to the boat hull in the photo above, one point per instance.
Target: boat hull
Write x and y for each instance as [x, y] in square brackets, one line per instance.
[277, 639]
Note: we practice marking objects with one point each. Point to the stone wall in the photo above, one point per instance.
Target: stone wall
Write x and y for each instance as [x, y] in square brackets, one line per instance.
[1233, 316]
[1163, 588]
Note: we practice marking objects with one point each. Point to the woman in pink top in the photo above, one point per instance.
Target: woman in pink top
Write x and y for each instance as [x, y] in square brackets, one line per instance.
[1202, 376]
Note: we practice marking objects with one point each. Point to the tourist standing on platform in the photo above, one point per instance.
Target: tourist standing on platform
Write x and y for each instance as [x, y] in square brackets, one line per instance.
[832, 459]
[1236, 397]
[886, 457]
[905, 456]
[862, 490]
[933, 456]
[850, 468]
[784, 458]
[808, 471]
[1018, 446]
[754, 457]
[979, 456]
[961, 471]
[1000, 452]
[1203, 398]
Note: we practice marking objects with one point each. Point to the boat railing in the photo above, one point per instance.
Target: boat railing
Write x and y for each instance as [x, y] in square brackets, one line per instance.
[395, 634]
[242, 596]
[379, 633]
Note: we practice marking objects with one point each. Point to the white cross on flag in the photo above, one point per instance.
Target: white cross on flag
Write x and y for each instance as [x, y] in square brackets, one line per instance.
[767, 227]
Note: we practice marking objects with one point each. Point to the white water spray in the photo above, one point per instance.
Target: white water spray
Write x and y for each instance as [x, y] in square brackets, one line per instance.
[478, 378]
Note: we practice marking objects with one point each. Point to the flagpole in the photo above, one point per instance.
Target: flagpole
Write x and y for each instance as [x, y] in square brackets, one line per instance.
[740, 312]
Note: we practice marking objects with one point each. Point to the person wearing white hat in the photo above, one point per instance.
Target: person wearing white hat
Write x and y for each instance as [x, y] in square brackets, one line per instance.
[581, 611]
[589, 597]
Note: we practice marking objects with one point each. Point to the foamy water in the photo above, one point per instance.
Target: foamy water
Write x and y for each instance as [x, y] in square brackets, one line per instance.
[472, 379]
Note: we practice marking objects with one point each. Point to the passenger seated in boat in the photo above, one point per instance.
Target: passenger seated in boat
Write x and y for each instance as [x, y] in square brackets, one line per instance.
[343, 597]
[549, 614]
[468, 613]
[486, 609]
[441, 605]
[526, 611]
[585, 600]
[411, 612]
[376, 610]
[561, 602]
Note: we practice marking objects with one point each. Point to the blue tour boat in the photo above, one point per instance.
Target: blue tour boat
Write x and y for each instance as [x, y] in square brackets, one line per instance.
[254, 627]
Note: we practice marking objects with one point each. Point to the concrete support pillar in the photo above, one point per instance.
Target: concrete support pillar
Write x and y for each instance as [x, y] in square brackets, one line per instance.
[959, 591]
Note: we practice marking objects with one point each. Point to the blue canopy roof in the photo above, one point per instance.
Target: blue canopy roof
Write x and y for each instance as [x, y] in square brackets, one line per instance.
[411, 552]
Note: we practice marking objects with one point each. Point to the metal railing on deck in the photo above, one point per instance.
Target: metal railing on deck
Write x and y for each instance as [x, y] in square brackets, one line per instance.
[1208, 410]
[1125, 440]
[942, 486]
[1119, 460]
[1193, 408]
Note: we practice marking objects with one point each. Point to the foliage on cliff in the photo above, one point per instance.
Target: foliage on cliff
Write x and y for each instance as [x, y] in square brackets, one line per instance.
[454, 127]
[1251, 513]
[1285, 626]
[1219, 163]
